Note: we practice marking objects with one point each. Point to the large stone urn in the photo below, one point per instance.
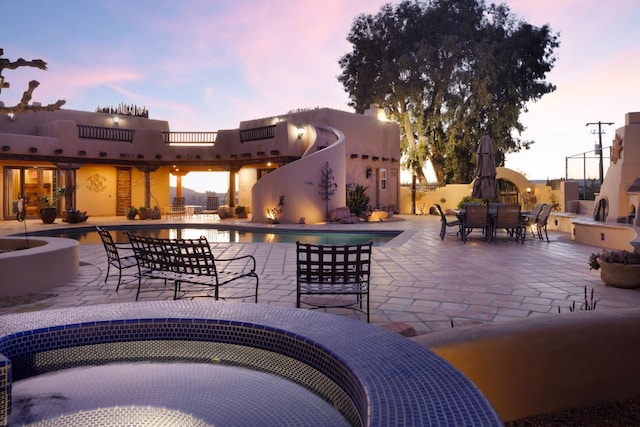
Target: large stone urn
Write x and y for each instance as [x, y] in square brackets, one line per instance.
[620, 275]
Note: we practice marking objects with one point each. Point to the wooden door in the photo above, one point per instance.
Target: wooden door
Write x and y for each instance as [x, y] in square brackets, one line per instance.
[123, 192]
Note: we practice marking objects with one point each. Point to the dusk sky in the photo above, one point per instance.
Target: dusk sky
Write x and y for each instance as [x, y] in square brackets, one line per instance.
[209, 64]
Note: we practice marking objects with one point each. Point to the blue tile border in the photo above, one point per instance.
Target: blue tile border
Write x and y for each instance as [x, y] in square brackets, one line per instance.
[390, 379]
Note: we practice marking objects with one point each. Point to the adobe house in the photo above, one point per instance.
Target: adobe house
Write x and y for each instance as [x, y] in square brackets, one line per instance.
[123, 158]
[619, 196]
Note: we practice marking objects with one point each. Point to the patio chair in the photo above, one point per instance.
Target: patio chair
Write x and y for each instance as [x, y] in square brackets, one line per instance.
[212, 205]
[115, 257]
[177, 208]
[508, 218]
[475, 217]
[448, 223]
[541, 223]
[334, 270]
[531, 219]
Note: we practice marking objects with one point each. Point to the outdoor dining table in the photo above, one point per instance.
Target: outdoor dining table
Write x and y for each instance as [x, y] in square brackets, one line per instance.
[493, 212]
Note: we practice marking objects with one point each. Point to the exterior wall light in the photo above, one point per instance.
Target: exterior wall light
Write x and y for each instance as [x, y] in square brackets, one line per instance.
[300, 132]
[369, 172]
[11, 117]
[116, 120]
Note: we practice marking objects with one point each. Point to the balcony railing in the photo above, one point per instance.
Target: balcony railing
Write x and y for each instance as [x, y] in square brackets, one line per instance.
[107, 134]
[189, 137]
[254, 134]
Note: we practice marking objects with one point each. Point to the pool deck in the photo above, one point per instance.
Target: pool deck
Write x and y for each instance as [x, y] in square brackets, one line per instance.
[416, 278]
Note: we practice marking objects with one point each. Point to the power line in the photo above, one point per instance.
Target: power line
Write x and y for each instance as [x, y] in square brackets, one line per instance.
[600, 132]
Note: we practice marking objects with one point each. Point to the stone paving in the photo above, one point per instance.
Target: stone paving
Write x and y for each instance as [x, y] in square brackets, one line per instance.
[417, 278]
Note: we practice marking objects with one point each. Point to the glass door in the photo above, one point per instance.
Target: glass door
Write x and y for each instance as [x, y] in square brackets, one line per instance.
[33, 183]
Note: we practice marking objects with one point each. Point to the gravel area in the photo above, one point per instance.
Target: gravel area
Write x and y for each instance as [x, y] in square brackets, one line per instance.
[625, 413]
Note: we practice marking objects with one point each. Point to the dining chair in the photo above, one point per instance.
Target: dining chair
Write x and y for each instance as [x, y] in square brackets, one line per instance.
[508, 218]
[475, 217]
[531, 219]
[447, 222]
[541, 223]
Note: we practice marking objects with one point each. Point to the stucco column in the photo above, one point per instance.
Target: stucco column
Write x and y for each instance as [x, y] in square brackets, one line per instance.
[231, 192]
[147, 169]
[69, 170]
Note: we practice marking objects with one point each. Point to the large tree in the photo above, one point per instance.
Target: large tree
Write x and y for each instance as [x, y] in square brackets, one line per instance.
[447, 71]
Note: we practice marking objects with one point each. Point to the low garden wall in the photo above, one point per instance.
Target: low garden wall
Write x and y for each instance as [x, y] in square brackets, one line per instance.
[546, 364]
[46, 263]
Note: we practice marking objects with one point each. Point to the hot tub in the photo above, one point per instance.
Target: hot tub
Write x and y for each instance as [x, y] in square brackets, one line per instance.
[380, 378]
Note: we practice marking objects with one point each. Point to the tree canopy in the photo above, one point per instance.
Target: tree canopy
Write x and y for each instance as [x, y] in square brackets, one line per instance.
[447, 71]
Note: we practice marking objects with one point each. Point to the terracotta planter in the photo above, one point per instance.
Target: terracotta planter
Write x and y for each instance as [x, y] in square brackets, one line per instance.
[48, 215]
[620, 275]
[74, 217]
[144, 214]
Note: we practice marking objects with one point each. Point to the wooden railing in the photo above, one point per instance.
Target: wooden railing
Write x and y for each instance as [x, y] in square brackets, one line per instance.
[189, 137]
[104, 133]
[254, 134]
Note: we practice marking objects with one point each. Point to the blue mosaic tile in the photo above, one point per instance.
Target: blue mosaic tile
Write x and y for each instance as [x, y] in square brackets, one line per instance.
[390, 380]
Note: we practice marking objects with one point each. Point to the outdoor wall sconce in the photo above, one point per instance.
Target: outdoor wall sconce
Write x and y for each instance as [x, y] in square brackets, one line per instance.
[116, 120]
[11, 117]
[82, 153]
[33, 150]
[369, 172]
[58, 151]
[300, 132]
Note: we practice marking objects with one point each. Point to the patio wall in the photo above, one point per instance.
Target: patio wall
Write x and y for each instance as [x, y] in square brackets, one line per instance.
[547, 364]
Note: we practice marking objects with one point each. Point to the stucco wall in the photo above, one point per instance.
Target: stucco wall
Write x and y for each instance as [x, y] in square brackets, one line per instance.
[541, 365]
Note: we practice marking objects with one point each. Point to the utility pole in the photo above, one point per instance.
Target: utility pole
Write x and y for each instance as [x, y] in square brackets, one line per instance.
[600, 132]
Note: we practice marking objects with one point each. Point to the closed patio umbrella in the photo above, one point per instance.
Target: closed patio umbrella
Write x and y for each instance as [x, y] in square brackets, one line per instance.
[485, 185]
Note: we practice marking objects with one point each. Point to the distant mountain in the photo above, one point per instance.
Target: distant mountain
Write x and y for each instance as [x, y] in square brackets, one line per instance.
[192, 197]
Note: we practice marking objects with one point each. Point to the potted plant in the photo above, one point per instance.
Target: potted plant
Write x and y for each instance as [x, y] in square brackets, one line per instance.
[620, 269]
[48, 209]
[74, 216]
[143, 212]
[155, 213]
[132, 212]
[241, 211]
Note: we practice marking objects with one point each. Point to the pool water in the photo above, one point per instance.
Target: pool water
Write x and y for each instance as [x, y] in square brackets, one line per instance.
[232, 235]
[202, 393]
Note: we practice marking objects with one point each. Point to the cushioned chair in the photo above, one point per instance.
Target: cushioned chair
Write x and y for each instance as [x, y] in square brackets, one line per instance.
[447, 222]
[119, 255]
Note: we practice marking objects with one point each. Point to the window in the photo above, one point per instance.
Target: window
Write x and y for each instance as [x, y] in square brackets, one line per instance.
[383, 179]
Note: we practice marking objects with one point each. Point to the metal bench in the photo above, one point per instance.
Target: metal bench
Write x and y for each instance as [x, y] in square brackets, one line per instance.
[338, 270]
[190, 261]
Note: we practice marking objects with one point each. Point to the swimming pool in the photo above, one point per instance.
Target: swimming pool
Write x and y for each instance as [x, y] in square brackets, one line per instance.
[218, 234]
